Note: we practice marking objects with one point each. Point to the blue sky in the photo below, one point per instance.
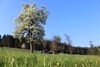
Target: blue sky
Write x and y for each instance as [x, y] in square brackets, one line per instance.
[80, 19]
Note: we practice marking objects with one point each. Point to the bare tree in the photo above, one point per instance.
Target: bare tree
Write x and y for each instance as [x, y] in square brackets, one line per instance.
[54, 44]
[57, 39]
[93, 46]
[69, 42]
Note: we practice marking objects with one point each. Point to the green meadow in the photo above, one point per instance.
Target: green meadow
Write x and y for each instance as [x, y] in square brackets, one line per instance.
[13, 57]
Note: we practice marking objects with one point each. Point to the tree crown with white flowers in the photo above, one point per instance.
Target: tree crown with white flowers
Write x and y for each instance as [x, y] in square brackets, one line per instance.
[30, 21]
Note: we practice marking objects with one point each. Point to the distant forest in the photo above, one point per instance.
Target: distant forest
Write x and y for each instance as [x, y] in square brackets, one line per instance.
[49, 46]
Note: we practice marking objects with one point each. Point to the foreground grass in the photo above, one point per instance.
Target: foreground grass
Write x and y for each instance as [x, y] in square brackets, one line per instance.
[10, 57]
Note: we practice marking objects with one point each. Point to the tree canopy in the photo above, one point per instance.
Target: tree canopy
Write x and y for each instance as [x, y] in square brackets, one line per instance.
[30, 21]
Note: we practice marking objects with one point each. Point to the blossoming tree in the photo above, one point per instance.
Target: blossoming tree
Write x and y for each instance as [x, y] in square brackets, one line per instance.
[29, 23]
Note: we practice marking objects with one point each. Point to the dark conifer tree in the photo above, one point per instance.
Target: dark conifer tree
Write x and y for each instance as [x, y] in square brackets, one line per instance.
[0, 40]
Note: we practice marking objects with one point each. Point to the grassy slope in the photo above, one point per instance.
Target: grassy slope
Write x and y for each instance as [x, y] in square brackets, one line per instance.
[10, 57]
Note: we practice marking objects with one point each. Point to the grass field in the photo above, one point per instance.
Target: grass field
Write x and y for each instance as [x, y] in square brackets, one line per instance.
[10, 57]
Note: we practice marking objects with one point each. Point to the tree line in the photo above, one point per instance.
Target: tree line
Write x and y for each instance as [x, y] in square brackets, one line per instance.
[48, 46]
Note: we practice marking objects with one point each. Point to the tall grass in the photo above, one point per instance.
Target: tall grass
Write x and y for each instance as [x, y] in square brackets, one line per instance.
[10, 57]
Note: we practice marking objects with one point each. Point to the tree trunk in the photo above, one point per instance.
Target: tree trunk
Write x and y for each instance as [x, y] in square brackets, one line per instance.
[53, 52]
[31, 47]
